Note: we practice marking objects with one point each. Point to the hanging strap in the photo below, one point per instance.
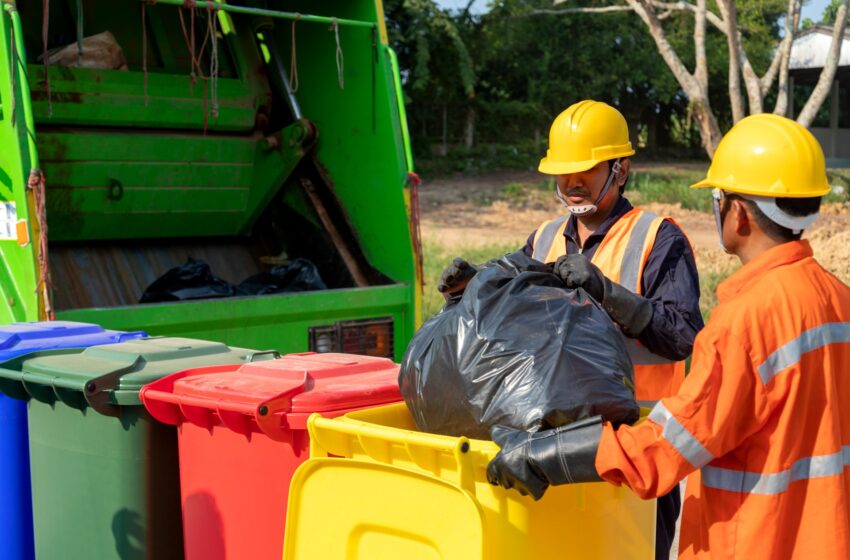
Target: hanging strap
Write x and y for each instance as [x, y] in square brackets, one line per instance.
[293, 62]
[340, 62]
[79, 33]
[45, 24]
[212, 21]
[145, 49]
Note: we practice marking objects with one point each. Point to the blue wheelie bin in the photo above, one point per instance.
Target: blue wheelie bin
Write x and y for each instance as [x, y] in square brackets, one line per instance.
[16, 340]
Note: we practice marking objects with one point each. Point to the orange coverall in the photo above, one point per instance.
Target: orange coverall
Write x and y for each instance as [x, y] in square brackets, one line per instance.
[761, 423]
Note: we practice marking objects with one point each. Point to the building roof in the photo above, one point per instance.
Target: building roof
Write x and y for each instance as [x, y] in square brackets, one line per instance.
[811, 47]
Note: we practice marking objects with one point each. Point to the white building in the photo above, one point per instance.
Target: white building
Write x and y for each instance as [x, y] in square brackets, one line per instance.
[832, 124]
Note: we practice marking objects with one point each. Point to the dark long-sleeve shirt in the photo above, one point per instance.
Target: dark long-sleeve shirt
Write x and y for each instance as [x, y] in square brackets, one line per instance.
[670, 281]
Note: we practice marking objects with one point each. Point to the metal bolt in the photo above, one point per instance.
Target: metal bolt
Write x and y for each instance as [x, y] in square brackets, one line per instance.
[264, 410]
[90, 386]
[464, 447]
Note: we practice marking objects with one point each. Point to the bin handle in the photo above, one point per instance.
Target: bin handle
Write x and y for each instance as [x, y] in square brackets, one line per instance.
[274, 353]
[271, 414]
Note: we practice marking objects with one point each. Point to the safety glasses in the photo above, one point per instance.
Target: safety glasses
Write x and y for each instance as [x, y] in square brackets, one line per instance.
[717, 197]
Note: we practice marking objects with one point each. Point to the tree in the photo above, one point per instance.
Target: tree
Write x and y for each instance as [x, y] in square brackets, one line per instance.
[436, 64]
[531, 67]
[830, 13]
[695, 84]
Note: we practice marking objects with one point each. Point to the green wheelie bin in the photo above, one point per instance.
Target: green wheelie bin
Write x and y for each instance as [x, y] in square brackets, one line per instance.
[105, 475]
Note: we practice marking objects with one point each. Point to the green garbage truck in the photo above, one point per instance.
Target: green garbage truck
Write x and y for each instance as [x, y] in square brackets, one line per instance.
[241, 139]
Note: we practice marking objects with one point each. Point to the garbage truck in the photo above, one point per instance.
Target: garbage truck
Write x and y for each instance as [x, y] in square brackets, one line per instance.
[242, 137]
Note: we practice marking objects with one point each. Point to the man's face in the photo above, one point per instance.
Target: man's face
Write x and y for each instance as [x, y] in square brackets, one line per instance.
[583, 188]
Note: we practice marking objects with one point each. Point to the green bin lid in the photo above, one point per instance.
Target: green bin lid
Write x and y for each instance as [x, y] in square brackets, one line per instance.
[103, 377]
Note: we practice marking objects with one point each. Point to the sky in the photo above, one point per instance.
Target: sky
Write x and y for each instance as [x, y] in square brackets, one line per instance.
[812, 10]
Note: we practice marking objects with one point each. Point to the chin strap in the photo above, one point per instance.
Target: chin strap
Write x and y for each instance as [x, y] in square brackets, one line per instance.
[588, 209]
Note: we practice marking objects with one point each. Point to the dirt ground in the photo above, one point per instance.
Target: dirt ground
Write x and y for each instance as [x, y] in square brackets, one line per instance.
[470, 212]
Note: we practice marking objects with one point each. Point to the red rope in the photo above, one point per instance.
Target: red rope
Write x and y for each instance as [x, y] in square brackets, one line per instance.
[414, 182]
[36, 183]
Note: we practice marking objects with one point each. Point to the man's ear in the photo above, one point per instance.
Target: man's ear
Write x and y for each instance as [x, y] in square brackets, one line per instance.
[625, 166]
[743, 220]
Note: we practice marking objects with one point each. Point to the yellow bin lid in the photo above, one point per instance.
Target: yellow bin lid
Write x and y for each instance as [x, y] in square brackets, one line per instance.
[429, 519]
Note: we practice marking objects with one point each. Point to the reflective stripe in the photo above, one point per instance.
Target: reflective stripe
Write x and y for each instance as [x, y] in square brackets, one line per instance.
[546, 237]
[641, 356]
[632, 257]
[679, 437]
[806, 468]
[790, 353]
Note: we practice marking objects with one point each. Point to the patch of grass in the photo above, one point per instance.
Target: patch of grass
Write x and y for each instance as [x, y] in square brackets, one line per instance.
[708, 282]
[534, 194]
[839, 179]
[670, 188]
[437, 257]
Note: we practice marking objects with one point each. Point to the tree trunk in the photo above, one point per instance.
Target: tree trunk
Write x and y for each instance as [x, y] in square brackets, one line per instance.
[827, 75]
[755, 92]
[444, 145]
[792, 18]
[469, 132]
[729, 11]
[709, 130]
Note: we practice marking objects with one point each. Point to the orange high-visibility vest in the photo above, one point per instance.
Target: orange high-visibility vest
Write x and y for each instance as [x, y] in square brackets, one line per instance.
[761, 424]
[622, 256]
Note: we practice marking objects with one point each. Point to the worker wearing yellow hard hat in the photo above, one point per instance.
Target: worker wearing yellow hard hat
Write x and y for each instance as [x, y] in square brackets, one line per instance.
[638, 265]
[760, 426]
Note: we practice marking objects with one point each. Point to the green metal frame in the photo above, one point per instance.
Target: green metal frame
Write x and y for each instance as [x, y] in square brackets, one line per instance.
[18, 277]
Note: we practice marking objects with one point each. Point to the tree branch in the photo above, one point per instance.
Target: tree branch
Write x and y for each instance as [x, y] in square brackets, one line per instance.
[598, 10]
[827, 75]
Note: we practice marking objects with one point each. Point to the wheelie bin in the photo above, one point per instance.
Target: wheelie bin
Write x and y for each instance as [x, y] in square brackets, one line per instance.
[18, 339]
[242, 433]
[105, 475]
[377, 489]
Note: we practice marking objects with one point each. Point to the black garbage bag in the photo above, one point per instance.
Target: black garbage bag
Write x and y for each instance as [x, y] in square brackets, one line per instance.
[518, 350]
[299, 275]
[192, 280]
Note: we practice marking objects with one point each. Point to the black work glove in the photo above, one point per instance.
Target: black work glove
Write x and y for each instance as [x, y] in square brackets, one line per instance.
[631, 311]
[455, 278]
[530, 462]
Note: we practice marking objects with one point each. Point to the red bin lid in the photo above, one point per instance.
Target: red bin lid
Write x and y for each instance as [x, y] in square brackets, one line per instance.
[273, 396]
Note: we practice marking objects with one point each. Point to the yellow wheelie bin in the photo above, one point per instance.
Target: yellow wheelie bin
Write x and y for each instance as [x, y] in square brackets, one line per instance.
[375, 488]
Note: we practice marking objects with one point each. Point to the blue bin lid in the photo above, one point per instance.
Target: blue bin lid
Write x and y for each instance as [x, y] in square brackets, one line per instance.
[22, 338]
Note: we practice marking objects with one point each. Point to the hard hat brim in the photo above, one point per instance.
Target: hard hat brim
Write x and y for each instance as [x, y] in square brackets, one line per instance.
[778, 193]
[565, 168]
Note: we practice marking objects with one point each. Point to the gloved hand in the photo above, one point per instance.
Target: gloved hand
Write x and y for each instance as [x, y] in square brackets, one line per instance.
[530, 462]
[578, 272]
[631, 311]
[455, 278]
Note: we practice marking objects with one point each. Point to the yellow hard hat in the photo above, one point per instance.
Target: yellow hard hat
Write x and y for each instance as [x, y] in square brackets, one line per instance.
[587, 133]
[768, 155]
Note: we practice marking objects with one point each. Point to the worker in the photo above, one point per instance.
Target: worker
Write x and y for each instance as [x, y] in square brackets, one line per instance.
[639, 266]
[760, 426]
